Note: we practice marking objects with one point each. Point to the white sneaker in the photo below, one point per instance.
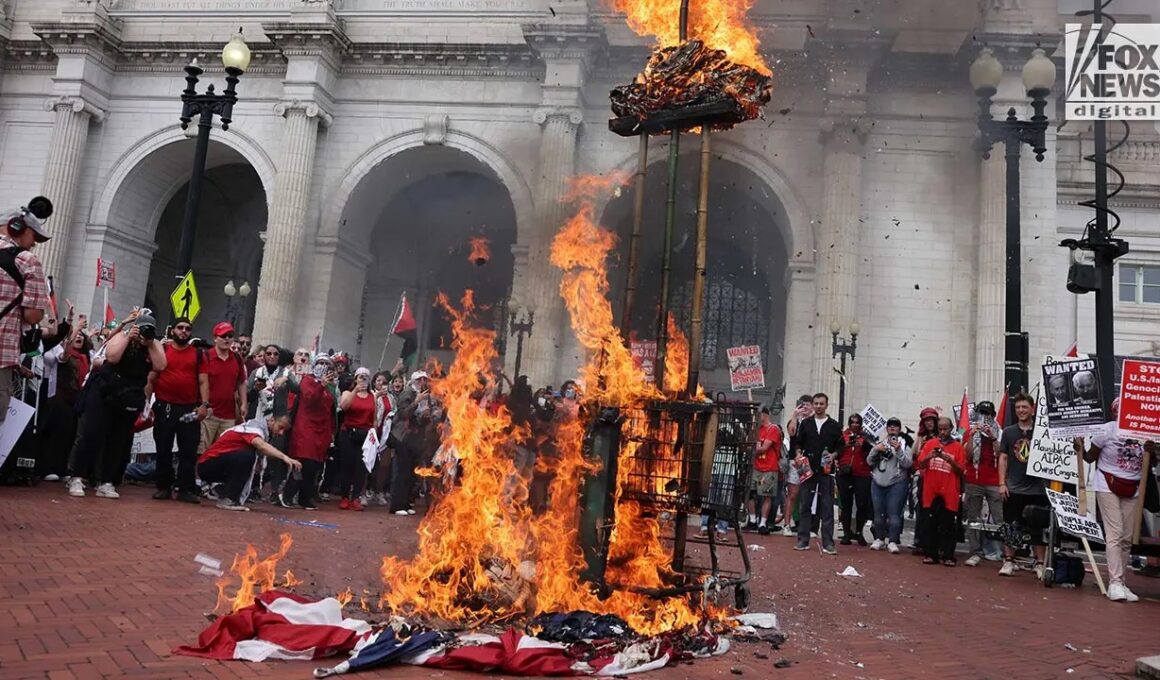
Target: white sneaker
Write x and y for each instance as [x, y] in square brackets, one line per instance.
[786, 531]
[76, 487]
[1130, 596]
[877, 544]
[973, 561]
[892, 548]
[52, 478]
[1039, 571]
[402, 512]
[106, 490]
[1008, 568]
[1117, 593]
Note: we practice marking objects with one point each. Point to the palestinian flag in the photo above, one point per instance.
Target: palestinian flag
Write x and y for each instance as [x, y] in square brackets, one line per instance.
[110, 317]
[964, 424]
[1001, 417]
[406, 329]
[52, 299]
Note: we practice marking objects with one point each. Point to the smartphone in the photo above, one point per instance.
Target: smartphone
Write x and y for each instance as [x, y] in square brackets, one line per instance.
[168, 330]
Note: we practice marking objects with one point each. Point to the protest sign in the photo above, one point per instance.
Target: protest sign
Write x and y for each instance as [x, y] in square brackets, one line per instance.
[1073, 405]
[644, 353]
[958, 409]
[1049, 458]
[1068, 516]
[1140, 400]
[873, 421]
[19, 415]
[745, 371]
[106, 274]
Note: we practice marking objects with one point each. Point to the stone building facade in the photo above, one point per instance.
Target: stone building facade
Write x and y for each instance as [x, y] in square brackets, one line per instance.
[374, 138]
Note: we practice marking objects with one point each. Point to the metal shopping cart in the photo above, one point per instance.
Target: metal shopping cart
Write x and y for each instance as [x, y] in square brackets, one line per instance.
[673, 459]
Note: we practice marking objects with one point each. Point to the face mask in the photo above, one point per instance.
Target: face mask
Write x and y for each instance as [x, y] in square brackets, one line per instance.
[319, 370]
[569, 394]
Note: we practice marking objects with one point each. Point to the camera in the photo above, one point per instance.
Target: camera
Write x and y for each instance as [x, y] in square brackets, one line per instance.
[148, 332]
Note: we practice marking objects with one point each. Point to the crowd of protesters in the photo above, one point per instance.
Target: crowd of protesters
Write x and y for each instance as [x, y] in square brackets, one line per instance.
[971, 484]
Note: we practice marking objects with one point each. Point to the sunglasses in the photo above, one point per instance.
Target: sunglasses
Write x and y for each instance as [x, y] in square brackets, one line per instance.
[271, 354]
[227, 336]
[183, 328]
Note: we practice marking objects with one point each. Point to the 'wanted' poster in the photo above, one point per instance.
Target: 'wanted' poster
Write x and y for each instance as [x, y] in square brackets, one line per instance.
[1075, 407]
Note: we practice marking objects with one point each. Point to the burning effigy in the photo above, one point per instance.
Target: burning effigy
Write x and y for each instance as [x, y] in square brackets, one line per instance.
[599, 576]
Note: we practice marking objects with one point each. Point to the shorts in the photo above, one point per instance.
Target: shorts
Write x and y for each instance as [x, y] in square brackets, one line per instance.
[1013, 512]
[765, 483]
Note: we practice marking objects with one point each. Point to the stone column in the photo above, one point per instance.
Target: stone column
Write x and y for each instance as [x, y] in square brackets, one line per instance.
[66, 151]
[286, 235]
[837, 242]
[541, 288]
[991, 292]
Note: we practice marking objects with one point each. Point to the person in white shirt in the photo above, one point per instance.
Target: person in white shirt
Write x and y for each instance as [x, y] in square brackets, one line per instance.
[1116, 483]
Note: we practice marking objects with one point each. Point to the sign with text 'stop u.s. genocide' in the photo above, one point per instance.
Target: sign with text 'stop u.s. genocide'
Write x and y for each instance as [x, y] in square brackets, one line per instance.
[1140, 400]
[1116, 79]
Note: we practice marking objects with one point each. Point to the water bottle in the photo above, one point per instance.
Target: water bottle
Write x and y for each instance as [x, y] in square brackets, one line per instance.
[188, 417]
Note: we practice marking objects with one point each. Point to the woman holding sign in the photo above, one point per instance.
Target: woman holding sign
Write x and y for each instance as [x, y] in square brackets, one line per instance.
[1116, 483]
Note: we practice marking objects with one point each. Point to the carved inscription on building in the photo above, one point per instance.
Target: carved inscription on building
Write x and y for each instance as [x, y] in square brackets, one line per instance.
[369, 6]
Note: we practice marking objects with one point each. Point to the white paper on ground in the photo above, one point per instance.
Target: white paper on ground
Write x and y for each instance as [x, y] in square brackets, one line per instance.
[757, 620]
[849, 571]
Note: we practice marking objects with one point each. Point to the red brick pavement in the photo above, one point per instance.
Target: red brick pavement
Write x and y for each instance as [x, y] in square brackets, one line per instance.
[92, 588]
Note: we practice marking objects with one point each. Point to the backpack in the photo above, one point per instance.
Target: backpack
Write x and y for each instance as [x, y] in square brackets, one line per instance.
[8, 264]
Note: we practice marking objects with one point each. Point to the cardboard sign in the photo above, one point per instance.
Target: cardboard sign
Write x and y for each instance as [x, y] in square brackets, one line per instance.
[1049, 458]
[644, 353]
[745, 370]
[1140, 400]
[19, 415]
[1073, 401]
[106, 274]
[1070, 520]
[958, 409]
[873, 421]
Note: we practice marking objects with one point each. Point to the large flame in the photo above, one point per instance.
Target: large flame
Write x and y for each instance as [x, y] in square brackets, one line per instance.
[720, 24]
[254, 576]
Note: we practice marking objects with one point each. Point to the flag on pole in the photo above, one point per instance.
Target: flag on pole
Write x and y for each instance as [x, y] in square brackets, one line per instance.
[314, 347]
[1001, 416]
[52, 298]
[1073, 351]
[964, 417]
[110, 317]
[406, 329]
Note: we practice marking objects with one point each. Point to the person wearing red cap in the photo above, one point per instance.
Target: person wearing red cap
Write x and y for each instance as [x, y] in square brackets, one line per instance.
[227, 386]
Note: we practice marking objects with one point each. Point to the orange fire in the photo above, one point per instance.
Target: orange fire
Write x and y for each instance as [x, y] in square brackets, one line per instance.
[345, 597]
[480, 251]
[720, 24]
[254, 576]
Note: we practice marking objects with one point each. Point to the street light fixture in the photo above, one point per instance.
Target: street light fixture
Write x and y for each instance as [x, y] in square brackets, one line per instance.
[235, 59]
[840, 347]
[235, 301]
[1038, 76]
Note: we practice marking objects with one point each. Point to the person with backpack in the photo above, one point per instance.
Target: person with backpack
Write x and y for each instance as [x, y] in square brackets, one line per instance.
[227, 386]
[23, 289]
[182, 403]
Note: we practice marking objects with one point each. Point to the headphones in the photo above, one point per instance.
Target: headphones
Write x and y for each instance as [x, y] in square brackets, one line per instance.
[39, 207]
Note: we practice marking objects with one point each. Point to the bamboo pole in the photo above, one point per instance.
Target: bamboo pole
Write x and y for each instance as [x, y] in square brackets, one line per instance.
[696, 331]
[634, 239]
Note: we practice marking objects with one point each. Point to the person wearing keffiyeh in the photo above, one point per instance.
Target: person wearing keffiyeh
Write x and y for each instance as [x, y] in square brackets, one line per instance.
[982, 478]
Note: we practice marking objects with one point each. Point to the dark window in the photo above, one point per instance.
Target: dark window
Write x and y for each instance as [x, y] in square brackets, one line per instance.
[736, 314]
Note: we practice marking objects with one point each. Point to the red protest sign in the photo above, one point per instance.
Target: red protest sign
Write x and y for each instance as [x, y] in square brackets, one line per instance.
[106, 274]
[1140, 400]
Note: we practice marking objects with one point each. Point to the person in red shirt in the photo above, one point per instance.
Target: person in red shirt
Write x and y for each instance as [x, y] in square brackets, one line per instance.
[942, 461]
[854, 481]
[229, 461]
[312, 434]
[227, 386]
[766, 463]
[182, 400]
[358, 406]
[982, 479]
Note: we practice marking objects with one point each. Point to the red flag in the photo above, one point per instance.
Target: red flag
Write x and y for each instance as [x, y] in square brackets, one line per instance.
[52, 298]
[110, 317]
[965, 416]
[407, 329]
[1073, 351]
[1001, 416]
[314, 346]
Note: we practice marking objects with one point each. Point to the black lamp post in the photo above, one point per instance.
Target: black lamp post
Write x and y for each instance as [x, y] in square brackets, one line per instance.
[236, 303]
[521, 329]
[235, 58]
[1038, 77]
[840, 347]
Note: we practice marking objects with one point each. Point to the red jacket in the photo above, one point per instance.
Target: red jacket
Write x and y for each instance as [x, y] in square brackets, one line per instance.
[313, 429]
[854, 454]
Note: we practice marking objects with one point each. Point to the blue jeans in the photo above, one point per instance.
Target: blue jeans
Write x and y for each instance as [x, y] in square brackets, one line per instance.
[888, 502]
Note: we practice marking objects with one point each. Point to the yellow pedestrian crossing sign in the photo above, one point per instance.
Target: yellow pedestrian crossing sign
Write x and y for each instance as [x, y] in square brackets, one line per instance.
[184, 299]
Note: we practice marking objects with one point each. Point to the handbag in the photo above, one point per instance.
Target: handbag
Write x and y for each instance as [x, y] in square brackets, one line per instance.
[1124, 488]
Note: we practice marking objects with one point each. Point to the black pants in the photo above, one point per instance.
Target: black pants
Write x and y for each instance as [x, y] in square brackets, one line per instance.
[104, 439]
[232, 470]
[942, 532]
[58, 433]
[403, 475]
[823, 486]
[354, 471]
[921, 515]
[302, 487]
[854, 491]
[167, 428]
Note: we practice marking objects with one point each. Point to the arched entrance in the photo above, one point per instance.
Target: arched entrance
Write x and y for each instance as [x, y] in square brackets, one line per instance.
[413, 217]
[749, 243]
[145, 212]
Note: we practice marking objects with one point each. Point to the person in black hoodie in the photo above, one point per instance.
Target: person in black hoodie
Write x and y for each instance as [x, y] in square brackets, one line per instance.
[818, 441]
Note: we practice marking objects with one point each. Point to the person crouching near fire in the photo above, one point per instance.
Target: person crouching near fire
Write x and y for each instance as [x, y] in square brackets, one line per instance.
[942, 461]
[229, 461]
